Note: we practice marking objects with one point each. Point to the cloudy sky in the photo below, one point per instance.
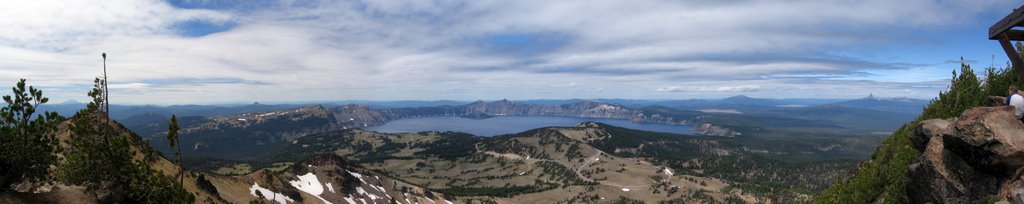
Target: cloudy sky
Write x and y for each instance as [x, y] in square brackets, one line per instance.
[199, 52]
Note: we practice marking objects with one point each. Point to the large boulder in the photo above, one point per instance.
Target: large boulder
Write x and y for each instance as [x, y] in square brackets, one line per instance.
[965, 159]
[940, 176]
[988, 138]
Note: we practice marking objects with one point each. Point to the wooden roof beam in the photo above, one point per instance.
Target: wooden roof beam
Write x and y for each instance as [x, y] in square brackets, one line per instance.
[1010, 21]
[1003, 32]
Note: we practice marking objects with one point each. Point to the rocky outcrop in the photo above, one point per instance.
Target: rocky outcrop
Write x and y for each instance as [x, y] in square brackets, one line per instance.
[965, 159]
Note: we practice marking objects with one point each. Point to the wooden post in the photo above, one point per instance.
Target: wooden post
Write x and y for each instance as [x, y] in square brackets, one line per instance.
[1012, 54]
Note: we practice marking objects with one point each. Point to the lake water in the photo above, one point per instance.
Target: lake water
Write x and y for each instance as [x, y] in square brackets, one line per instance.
[511, 124]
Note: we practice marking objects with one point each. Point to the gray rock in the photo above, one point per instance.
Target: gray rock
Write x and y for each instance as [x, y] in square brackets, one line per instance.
[928, 129]
[988, 138]
[966, 159]
[939, 176]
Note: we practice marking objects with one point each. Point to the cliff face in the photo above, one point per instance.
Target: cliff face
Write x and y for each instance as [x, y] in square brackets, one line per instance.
[968, 158]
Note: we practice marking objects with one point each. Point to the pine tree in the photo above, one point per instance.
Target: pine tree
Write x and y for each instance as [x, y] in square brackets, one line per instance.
[101, 158]
[27, 144]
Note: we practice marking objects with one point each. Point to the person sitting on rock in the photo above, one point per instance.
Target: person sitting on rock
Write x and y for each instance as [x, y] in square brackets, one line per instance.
[1013, 91]
[1017, 101]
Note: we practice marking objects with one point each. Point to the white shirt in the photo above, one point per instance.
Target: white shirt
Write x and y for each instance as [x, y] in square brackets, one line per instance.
[1018, 105]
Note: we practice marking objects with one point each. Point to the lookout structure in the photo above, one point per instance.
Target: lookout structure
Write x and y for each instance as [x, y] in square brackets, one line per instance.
[1004, 32]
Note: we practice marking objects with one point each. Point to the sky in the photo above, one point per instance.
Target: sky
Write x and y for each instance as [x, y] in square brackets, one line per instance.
[235, 51]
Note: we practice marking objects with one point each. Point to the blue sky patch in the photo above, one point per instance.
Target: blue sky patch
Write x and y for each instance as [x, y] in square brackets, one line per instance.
[199, 28]
[523, 43]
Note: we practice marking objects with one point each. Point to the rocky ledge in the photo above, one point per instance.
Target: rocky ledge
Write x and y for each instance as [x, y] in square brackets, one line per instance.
[968, 158]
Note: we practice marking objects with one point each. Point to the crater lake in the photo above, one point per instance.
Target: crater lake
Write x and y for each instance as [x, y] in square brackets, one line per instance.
[512, 124]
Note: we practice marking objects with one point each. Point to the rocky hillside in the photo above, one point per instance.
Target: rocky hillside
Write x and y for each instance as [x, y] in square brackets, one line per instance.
[577, 164]
[314, 179]
[321, 179]
[968, 158]
[545, 165]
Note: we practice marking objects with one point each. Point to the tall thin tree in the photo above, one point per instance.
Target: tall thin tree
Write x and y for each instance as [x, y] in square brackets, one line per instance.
[105, 106]
[175, 142]
[106, 91]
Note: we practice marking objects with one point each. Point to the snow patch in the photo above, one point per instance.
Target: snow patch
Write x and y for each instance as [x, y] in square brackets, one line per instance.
[382, 190]
[668, 171]
[350, 200]
[357, 175]
[448, 202]
[265, 114]
[310, 184]
[625, 190]
[269, 195]
[329, 187]
[362, 191]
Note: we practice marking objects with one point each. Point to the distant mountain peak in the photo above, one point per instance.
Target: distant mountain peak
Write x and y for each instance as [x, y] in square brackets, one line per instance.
[872, 97]
[740, 97]
[70, 101]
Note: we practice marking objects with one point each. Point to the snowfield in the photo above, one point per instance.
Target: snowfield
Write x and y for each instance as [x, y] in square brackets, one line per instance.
[310, 184]
[269, 195]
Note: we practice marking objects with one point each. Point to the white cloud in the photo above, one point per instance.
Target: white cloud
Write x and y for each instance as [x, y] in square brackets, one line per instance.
[440, 49]
[58, 25]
